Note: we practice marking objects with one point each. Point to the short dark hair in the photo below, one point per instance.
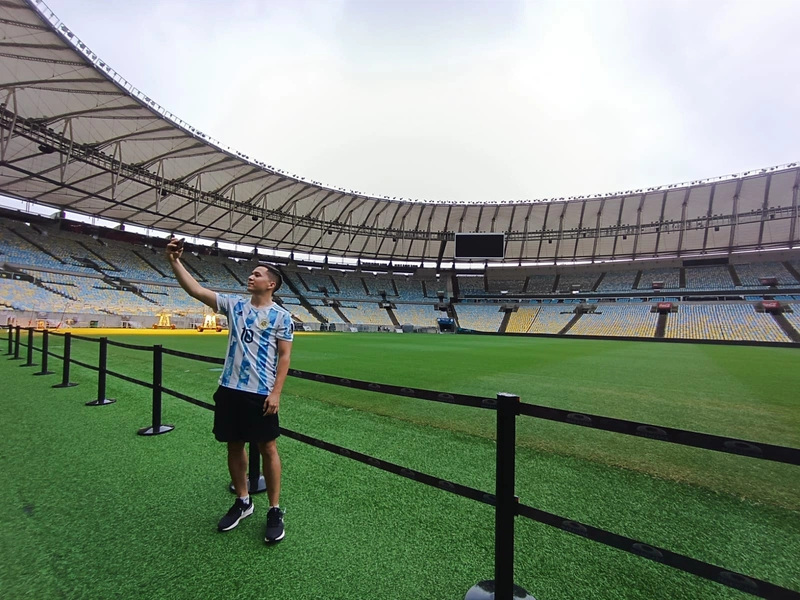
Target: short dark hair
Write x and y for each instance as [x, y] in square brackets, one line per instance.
[274, 271]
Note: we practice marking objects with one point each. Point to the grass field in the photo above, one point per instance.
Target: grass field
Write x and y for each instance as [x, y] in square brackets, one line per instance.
[94, 511]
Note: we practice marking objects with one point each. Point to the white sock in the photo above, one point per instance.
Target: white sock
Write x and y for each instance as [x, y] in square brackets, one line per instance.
[276, 506]
[246, 499]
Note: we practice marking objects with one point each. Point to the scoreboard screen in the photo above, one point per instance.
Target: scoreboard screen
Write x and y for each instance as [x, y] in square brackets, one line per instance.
[480, 245]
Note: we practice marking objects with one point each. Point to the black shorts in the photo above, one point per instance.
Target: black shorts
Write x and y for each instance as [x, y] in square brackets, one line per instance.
[239, 417]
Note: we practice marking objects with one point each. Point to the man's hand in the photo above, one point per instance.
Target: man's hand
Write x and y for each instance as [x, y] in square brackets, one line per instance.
[271, 404]
[175, 248]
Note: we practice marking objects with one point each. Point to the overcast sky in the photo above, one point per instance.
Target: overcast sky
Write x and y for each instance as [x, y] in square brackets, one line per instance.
[468, 100]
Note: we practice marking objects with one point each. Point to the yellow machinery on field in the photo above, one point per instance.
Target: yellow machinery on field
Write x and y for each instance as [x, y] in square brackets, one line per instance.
[211, 322]
[164, 321]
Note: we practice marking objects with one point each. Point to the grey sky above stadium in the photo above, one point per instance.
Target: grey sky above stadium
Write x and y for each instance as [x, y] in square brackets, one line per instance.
[469, 100]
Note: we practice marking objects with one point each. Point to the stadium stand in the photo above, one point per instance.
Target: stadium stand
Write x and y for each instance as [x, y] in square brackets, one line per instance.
[708, 278]
[512, 286]
[25, 296]
[471, 285]
[617, 320]
[670, 277]
[172, 299]
[551, 319]
[617, 281]
[315, 280]
[367, 313]
[409, 289]
[128, 265]
[586, 281]
[376, 284]
[350, 286]
[417, 315]
[723, 322]
[749, 274]
[17, 250]
[329, 314]
[541, 284]
[479, 317]
[794, 317]
[212, 270]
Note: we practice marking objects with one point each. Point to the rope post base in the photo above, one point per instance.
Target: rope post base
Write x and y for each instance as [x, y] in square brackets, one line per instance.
[157, 430]
[484, 590]
[256, 484]
[101, 402]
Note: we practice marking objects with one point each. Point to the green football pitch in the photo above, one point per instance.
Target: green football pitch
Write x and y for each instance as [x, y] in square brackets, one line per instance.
[91, 510]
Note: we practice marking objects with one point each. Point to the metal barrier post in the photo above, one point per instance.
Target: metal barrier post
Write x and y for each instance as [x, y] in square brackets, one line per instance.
[45, 345]
[65, 382]
[502, 587]
[16, 344]
[256, 483]
[29, 360]
[156, 428]
[10, 340]
[101, 377]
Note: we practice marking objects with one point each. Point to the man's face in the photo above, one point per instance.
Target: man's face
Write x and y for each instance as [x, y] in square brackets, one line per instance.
[261, 280]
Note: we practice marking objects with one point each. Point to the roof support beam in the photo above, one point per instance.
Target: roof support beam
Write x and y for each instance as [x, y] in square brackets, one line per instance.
[764, 211]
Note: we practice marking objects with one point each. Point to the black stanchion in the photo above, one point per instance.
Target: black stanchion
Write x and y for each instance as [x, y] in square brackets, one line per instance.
[101, 377]
[10, 340]
[65, 382]
[29, 359]
[256, 484]
[16, 344]
[156, 428]
[45, 345]
[502, 587]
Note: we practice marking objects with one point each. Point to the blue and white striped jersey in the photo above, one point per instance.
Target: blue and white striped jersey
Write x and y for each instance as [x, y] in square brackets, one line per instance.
[251, 363]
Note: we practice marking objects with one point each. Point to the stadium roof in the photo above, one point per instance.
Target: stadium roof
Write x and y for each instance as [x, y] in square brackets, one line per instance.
[79, 137]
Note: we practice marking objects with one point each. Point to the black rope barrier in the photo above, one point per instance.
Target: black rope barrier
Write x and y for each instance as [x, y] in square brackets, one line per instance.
[84, 338]
[84, 365]
[396, 390]
[131, 346]
[133, 380]
[666, 434]
[383, 388]
[744, 583]
[199, 357]
[188, 399]
[442, 484]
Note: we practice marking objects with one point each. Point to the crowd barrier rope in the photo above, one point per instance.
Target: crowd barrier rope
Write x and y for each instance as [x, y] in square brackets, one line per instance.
[506, 503]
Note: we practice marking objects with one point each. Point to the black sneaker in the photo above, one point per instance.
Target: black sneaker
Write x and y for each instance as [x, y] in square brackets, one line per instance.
[275, 532]
[238, 511]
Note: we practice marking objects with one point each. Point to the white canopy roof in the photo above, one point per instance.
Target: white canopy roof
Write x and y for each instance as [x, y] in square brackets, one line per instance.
[77, 136]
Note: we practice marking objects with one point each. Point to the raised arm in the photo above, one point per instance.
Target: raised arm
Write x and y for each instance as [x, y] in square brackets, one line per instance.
[186, 281]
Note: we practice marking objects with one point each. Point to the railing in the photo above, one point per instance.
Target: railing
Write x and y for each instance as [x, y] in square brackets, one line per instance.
[506, 503]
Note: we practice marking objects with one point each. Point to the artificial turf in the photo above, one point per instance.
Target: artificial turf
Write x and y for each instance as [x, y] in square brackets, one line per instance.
[94, 511]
